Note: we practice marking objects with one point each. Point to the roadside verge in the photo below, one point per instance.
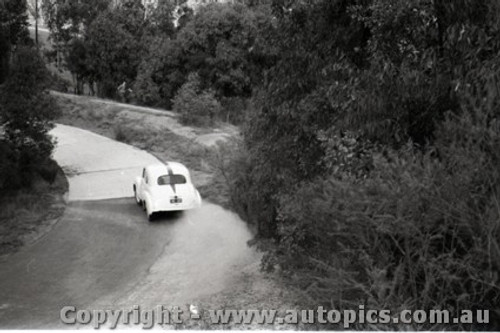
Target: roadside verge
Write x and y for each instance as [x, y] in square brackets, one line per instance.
[156, 132]
[28, 214]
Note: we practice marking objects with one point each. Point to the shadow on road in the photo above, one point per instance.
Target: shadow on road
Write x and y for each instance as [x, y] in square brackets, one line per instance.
[167, 217]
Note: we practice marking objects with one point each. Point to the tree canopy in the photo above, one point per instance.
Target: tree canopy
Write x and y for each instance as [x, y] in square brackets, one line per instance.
[26, 108]
[13, 30]
[369, 162]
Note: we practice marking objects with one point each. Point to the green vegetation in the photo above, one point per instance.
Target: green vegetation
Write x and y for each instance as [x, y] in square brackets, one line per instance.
[195, 106]
[223, 44]
[27, 213]
[31, 183]
[161, 135]
[372, 154]
[13, 30]
[26, 108]
[369, 164]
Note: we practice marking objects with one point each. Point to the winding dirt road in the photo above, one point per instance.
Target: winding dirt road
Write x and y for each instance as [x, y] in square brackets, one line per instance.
[104, 254]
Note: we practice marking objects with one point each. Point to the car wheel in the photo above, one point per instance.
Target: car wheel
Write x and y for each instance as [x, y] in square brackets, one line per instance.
[150, 217]
[137, 200]
[149, 214]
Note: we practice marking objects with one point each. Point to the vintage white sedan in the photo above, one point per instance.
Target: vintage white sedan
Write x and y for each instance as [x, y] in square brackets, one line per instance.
[165, 187]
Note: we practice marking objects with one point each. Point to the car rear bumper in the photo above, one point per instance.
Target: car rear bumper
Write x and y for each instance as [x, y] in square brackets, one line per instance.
[168, 207]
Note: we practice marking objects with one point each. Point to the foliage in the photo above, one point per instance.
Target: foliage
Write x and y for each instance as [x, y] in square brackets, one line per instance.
[221, 42]
[385, 74]
[25, 210]
[218, 42]
[154, 50]
[26, 112]
[114, 48]
[14, 18]
[146, 92]
[196, 106]
[418, 233]
[370, 156]
[71, 19]
[13, 30]
[234, 109]
[161, 19]
[100, 43]
[320, 46]
[161, 72]
[103, 69]
[69, 23]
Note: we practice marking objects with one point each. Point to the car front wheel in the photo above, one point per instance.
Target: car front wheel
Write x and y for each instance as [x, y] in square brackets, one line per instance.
[137, 200]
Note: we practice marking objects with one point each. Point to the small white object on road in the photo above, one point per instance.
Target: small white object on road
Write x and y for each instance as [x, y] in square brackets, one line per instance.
[194, 310]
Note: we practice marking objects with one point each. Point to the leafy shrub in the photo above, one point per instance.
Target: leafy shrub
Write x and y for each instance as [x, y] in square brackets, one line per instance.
[418, 233]
[48, 171]
[224, 160]
[121, 133]
[27, 111]
[9, 175]
[58, 83]
[145, 91]
[371, 160]
[195, 106]
[419, 230]
[225, 44]
[233, 109]
[113, 44]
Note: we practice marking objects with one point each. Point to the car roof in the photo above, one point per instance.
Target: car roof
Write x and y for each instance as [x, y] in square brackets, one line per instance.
[159, 169]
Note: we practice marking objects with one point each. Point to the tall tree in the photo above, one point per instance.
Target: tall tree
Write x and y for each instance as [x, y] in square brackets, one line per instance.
[26, 114]
[69, 22]
[219, 43]
[13, 30]
[115, 46]
[161, 19]
[68, 19]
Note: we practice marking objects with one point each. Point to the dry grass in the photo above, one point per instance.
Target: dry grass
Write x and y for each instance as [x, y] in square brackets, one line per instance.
[159, 135]
[255, 289]
[27, 214]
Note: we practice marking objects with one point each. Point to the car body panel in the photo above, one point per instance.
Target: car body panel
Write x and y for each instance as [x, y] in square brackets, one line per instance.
[166, 187]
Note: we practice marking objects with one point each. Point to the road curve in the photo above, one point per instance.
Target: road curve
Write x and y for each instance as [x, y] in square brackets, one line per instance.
[98, 168]
[104, 254]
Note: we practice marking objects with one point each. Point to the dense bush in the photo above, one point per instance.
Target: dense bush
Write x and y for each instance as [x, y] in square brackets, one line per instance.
[160, 73]
[145, 91]
[26, 112]
[13, 30]
[10, 178]
[234, 109]
[371, 158]
[221, 43]
[105, 44]
[196, 106]
[114, 44]
[420, 232]
[371, 148]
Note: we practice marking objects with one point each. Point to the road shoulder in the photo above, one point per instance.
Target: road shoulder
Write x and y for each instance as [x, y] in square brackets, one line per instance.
[163, 137]
[28, 214]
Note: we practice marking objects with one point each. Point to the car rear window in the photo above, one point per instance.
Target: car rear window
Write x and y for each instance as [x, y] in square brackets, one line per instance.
[171, 180]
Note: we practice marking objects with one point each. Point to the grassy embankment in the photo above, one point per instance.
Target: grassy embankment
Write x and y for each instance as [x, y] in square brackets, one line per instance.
[160, 134]
[27, 214]
[157, 132]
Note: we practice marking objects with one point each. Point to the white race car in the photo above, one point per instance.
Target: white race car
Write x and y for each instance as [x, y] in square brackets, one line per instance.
[165, 187]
